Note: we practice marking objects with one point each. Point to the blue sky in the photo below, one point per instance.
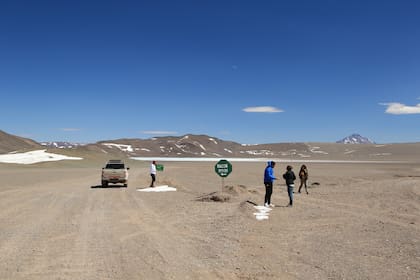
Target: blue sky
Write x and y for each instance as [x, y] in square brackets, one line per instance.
[246, 71]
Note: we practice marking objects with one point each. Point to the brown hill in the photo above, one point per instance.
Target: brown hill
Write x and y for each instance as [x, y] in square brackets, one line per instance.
[171, 146]
[206, 146]
[10, 143]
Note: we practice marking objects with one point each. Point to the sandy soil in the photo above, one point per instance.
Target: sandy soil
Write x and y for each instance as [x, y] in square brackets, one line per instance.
[361, 222]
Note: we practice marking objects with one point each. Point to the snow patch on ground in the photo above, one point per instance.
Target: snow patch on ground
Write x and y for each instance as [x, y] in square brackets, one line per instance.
[247, 145]
[259, 152]
[199, 159]
[124, 148]
[34, 157]
[261, 159]
[164, 188]
[200, 145]
[214, 141]
[314, 150]
[304, 156]
[263, 212]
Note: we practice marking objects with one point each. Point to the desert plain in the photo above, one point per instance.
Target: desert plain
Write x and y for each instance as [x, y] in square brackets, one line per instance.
[359, 221]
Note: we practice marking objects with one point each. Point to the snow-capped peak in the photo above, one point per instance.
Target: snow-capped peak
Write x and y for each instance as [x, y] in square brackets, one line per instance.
[355, 139]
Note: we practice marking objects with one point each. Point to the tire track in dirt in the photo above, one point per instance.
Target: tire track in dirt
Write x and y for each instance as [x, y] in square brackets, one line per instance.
[160, 237]
[26, 246]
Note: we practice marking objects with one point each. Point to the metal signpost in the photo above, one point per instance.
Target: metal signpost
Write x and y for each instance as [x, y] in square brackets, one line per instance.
[223, 168]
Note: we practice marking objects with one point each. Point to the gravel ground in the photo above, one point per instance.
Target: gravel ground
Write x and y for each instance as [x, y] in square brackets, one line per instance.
[359, 221]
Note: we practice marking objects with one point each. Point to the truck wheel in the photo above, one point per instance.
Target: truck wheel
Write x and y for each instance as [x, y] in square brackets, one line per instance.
[104, 184]
[125, 185]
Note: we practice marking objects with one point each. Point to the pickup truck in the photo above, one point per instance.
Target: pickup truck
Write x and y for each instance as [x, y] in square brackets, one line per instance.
[115, 171]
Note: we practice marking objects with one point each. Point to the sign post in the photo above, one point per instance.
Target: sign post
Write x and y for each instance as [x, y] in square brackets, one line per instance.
[159, 167]
[223, 168]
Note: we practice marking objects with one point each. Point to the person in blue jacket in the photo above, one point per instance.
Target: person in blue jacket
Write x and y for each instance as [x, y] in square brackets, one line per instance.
[268, 183]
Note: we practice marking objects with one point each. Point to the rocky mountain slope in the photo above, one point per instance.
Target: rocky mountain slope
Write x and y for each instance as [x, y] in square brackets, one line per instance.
[10, 143]
[199, 146]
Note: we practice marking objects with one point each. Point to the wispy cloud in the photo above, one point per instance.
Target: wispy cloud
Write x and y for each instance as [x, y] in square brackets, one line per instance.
[395, 108]
[225, 132]
[69, 129]
[158, 132]
[25, 135]
[262, 109]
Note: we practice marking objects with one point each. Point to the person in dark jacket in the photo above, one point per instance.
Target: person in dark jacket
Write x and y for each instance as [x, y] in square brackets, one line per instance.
[303, 175]
[268, 183]
[290, 178]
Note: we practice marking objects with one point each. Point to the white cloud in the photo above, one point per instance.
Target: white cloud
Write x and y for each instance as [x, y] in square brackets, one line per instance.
[69, 129]
[158, 132]
[396, 108]
[262, 109]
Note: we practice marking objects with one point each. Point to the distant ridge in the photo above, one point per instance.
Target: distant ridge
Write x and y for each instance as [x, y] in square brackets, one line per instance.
[61, 145]
[355, 139]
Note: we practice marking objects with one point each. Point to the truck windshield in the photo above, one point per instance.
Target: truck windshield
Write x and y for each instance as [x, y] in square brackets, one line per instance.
[114, 166]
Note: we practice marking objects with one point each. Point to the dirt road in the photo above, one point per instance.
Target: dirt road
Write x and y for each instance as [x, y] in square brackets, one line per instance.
[360, 222]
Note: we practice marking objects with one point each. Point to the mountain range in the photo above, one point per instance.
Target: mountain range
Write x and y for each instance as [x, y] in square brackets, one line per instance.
[60, 144]
[211, 147]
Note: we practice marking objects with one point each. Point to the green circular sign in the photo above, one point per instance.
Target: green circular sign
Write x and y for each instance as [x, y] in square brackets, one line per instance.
[223, 168]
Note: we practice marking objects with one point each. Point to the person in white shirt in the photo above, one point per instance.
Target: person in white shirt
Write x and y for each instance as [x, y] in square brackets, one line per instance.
[153, 173]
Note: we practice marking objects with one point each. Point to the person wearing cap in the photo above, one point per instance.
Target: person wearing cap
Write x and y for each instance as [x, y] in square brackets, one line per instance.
[153, 173]
[268, 183]
[290, 178]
